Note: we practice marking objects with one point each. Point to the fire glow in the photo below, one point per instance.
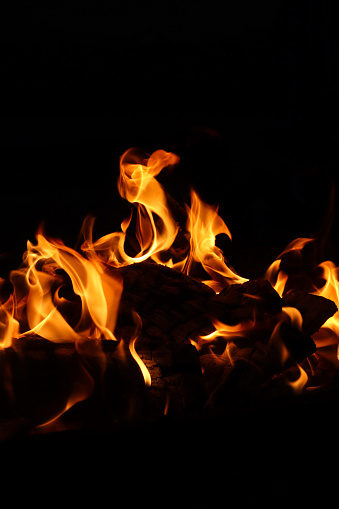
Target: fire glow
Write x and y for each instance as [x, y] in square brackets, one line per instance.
[65, 296]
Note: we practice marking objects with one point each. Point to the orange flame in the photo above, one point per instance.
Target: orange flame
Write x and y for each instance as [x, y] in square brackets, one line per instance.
[37, 290]
[9, 326]
[136, 357]
[156, 229]
[277, 277]
[38, 306]
[62, 295]
[295, 317]
[204, 224]
[329, 332]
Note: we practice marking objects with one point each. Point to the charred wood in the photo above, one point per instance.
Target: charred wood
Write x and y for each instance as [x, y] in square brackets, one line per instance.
[38, 378]
[314, 309]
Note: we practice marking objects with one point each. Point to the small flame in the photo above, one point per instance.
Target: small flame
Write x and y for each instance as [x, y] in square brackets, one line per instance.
[223, 330]
[9, 326]
[294, 315]
[136, 357]
[295, 318]
[83, 387]
[330, 290]
[277, 277]
[298, 385]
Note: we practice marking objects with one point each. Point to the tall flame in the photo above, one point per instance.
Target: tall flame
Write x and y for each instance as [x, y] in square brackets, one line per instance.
[156, 229]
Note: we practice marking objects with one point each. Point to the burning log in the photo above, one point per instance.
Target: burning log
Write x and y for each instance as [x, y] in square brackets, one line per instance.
[315, 310]
[40, 378]
[180, 345]
[176, 309]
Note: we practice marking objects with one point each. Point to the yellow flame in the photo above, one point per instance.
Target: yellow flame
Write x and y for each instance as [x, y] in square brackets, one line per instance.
[136, 357]
[204, 224]
[9, 326]
[294, 316]
[99, 292]
[299, 384]
[156, 229]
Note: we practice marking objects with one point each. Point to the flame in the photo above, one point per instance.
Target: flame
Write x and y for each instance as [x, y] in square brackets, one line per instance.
[156, 229]
[223, 354]
[223, 330]
[9, 326]
[294, 316]
[38, 286]
[276, 277]
[329, 332]
[204, 224]
[136, 357]
[38, 307]
[298, 385]
[83, 386]
[63, 295]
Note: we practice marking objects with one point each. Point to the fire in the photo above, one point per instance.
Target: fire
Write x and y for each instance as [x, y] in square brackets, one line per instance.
[330, 290]
[156, 229]
[38, 286]
[327, 285]
[204, 224]
[136, 357]
[63, 295]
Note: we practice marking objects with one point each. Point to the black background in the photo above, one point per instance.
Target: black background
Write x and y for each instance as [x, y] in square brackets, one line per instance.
[246, 94]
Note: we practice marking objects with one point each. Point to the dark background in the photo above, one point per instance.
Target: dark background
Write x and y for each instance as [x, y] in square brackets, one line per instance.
[246, 94]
